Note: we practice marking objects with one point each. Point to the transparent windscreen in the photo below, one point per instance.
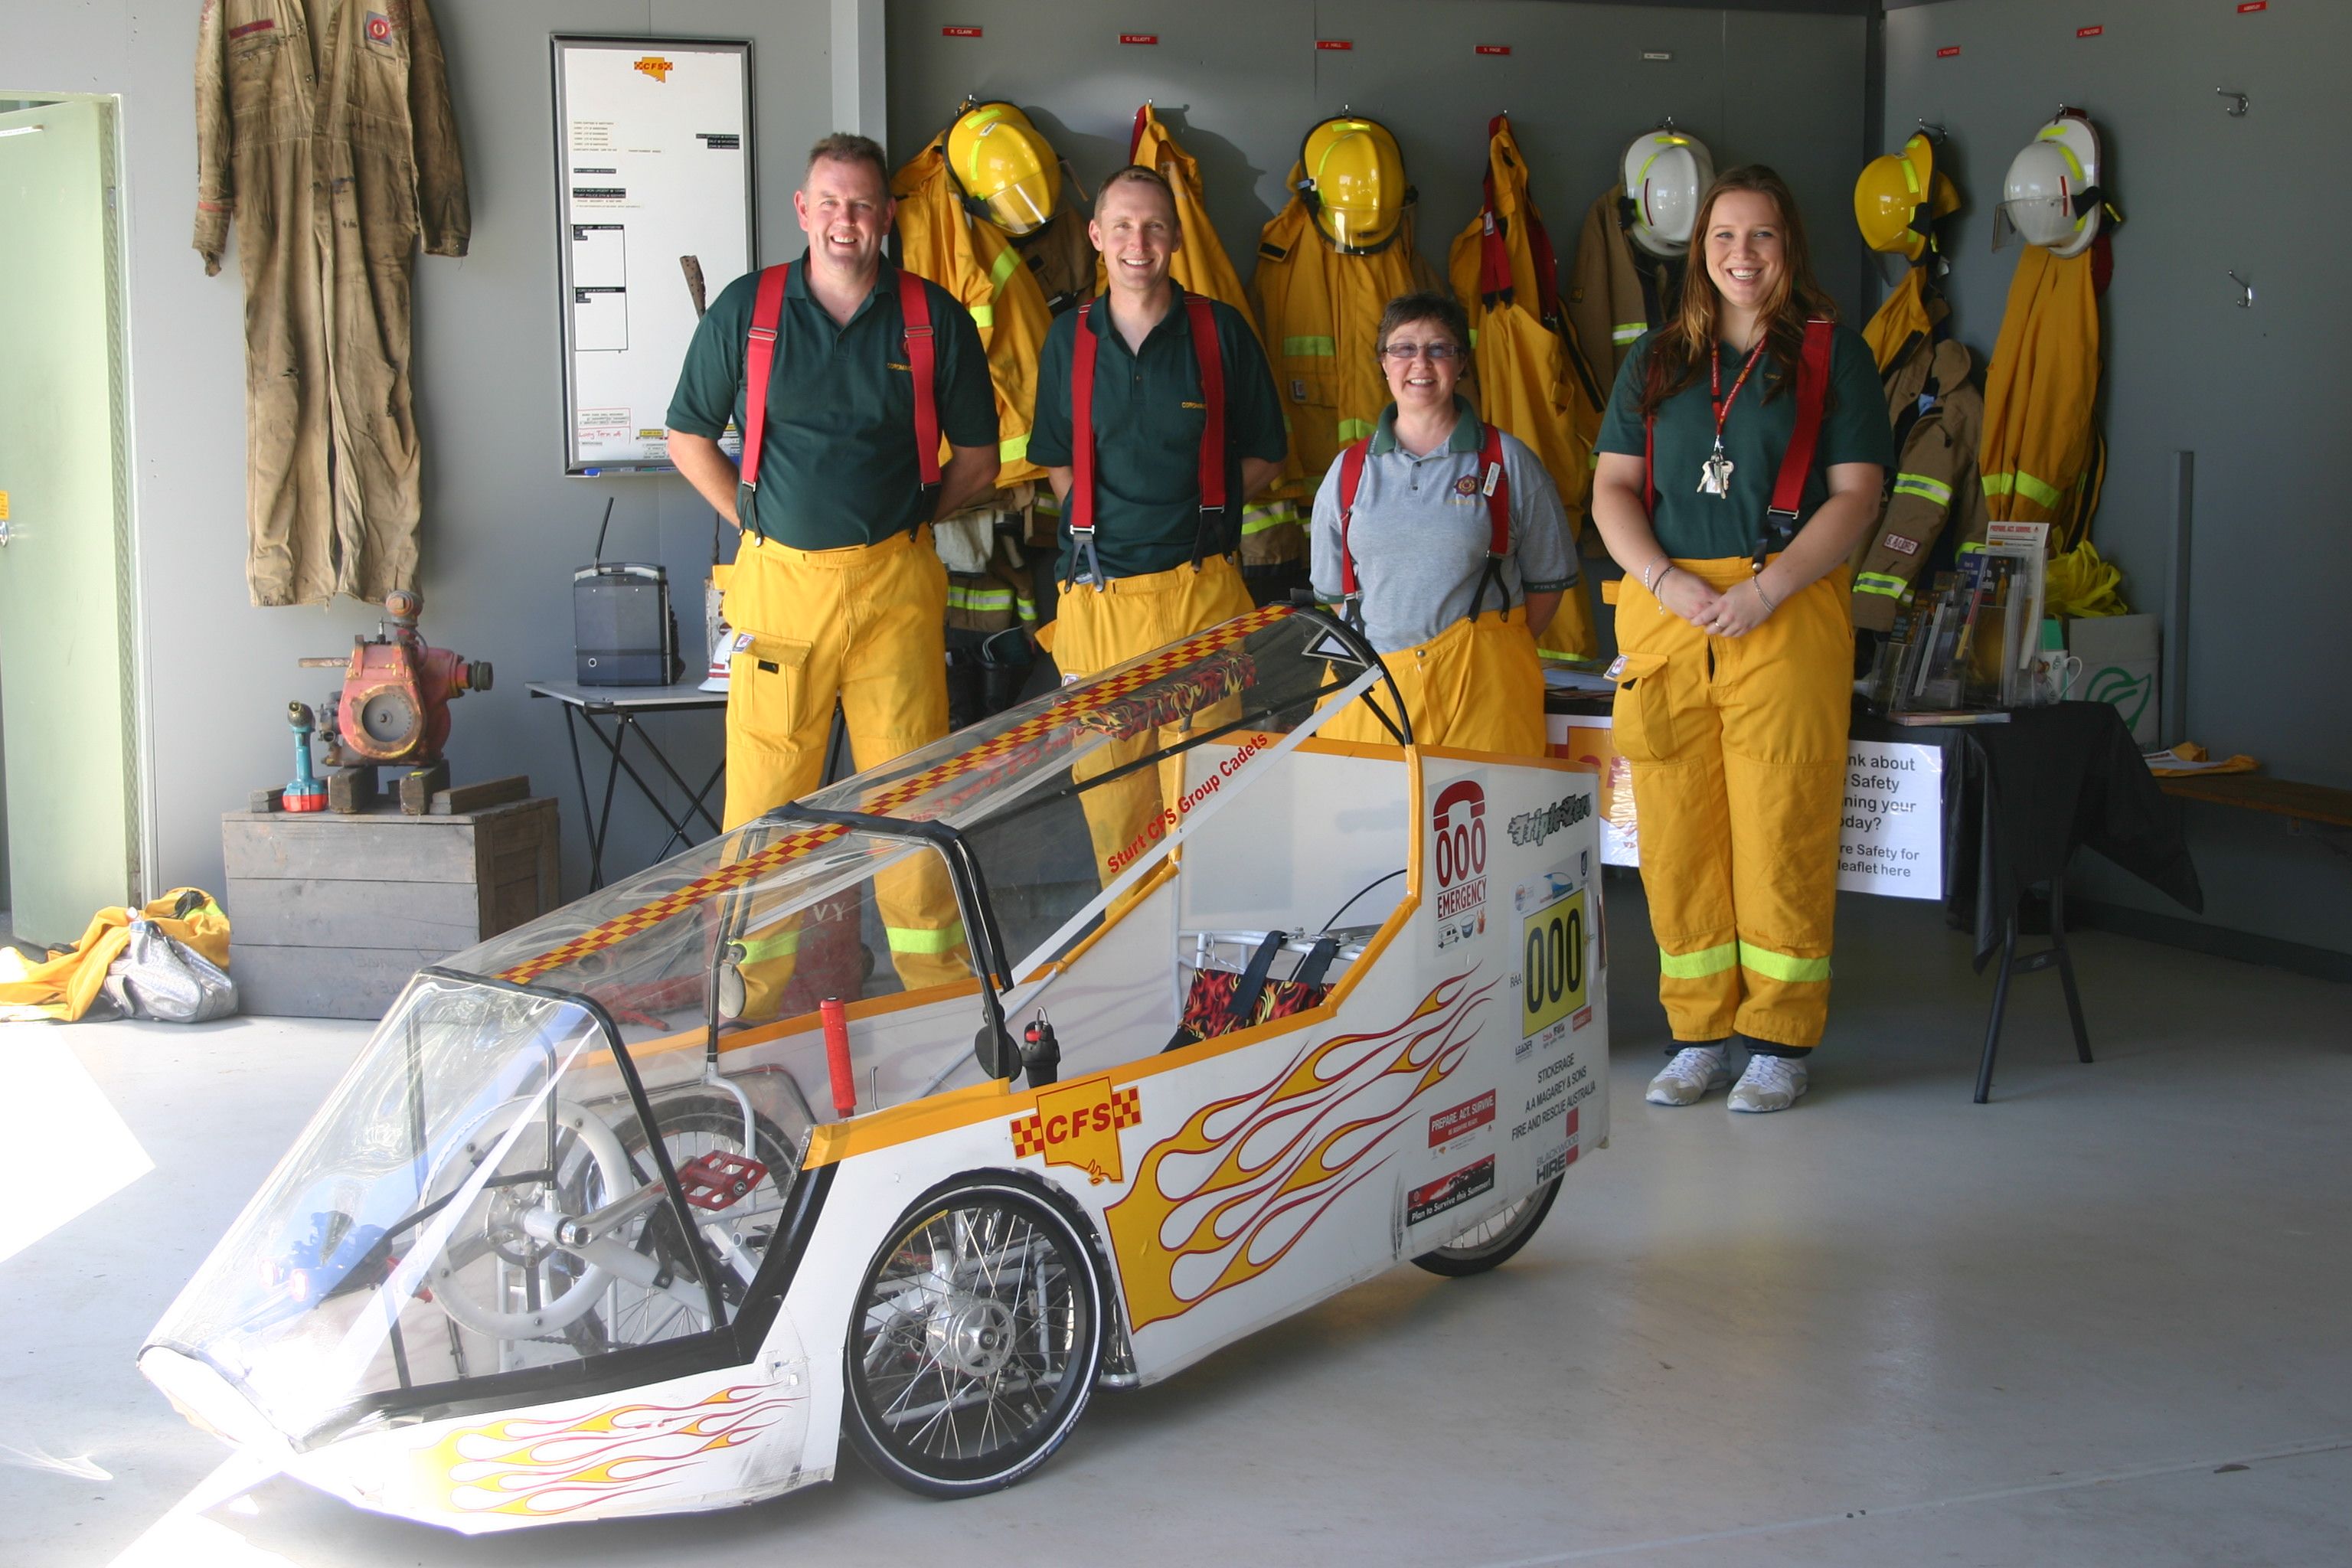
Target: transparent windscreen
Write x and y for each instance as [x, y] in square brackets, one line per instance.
[478, 1196]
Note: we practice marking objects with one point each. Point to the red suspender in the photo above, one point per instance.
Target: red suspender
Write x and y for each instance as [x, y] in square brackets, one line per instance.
[1804, 440]
[1209, 355]
[1351, 474]
[760, 362]
[1812, 394]
[1494, 479]
[915, 308]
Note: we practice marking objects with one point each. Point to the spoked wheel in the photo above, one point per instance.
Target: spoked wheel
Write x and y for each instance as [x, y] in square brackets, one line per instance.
[977, 1337]
[1493, 1240]
[697, 1122]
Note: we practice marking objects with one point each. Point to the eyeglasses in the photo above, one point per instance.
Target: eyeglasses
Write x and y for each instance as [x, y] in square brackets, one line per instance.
[1405, 354]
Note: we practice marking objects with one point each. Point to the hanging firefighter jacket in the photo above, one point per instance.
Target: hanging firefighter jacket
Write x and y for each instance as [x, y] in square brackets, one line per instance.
[975, 261]
[1321, 312]
[1616, 290]
[1060, 256]
[2041, 447]
[1938, 414]
[1902, 319]
[1531, 381]
[1272, 531]
[326, 132]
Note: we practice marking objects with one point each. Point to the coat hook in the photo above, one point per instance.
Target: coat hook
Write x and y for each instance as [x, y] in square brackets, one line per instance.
[2237, 112]
[1936, 132]
[2248, 302]
[1667, 124]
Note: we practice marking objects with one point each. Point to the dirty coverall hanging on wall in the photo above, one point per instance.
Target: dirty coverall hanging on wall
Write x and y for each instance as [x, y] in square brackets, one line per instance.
[334, 152]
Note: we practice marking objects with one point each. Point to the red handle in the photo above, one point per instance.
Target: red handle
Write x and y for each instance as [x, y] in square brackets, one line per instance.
[836, 1056]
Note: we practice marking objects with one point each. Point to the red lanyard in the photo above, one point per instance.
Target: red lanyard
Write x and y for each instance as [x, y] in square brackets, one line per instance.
[1715, 385]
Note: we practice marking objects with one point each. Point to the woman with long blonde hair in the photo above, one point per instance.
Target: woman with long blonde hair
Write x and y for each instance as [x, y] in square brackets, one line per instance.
[1740, 461]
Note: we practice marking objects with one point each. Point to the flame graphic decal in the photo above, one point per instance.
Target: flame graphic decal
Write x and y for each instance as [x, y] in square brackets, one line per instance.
[545, 1468]
[1231, 1192]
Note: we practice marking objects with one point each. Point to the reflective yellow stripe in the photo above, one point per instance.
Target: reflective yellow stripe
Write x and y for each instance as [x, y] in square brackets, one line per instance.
[1879, 583]
[2024, 484]
[1014, 450]
[1048, 503]
[1322, 347]
[1258, 519]
[1026, 607]
[1922, 486]
[1006, 260]
[1473, 338]
[983, 315]
[1969, 549]
[1354, 429]
[961, 598]
[1626, 331]
[1780, 965]
[915, 939]
[782, 945]
[1698, 965]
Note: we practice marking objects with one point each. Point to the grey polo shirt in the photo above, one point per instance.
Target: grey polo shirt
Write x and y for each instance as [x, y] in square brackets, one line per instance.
[1421, 531]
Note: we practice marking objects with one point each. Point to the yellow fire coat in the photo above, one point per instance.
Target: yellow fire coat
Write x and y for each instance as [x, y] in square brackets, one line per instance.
[1272, 530]
[63, 986]
[1529, 383]
[1319, 312]
[976, 262]
[2040, 394]
[1903, 317]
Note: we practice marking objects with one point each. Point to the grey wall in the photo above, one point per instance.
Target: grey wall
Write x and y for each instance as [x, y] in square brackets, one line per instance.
[502, 527]
[2251, 392]
[1242, 82]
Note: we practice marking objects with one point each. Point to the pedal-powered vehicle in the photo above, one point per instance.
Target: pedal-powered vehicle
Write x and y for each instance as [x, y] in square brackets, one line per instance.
[639, 1208]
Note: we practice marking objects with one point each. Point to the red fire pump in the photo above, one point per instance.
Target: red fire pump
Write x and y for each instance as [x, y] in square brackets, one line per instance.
[394, 704]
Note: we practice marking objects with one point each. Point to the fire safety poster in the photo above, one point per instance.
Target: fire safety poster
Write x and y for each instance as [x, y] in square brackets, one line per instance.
[654, 192]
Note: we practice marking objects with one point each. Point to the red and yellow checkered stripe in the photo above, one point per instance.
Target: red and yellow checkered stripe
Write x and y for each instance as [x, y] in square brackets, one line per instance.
[1126, 1108]
[886, 801]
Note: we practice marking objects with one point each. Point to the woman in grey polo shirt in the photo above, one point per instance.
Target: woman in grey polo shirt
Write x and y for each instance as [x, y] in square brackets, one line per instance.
[1412, 553]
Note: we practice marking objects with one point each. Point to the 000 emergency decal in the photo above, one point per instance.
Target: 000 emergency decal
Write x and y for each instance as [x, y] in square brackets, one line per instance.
[1458, 821]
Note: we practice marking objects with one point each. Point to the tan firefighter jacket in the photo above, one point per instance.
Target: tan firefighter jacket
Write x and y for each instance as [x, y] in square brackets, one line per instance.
[1935, 486]
[1615, 291]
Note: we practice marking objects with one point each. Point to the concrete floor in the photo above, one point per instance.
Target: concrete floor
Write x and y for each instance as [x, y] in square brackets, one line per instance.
[2107, 1318]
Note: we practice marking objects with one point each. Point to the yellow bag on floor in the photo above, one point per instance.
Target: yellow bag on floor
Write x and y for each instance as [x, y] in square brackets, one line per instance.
[63, 987]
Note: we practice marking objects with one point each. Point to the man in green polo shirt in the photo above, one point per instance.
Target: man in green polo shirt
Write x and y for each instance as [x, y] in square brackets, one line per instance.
[1157, 566]
[836, 593]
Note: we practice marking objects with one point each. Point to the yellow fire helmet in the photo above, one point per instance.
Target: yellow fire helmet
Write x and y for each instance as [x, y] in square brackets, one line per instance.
[1354, 183]
[1004, 164]
[1887, 197]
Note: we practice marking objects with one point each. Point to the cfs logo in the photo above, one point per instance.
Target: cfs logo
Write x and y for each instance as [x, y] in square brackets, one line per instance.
[1078, 1124]
[1460, 821]
[656, 66]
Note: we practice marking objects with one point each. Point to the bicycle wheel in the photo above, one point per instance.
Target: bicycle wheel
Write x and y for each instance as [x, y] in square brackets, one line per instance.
[1492, 1241]
[978, 1333]
[695, 1123]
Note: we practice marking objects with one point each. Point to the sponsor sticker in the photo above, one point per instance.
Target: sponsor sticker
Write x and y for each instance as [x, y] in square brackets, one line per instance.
[1555, 1164]
[1460, 1120]
[1458, 823]
[1078, 1124]
[1450, 1192]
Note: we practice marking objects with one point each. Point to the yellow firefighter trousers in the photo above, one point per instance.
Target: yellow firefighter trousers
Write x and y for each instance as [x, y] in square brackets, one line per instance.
[863, 624]
[1738, 751]
[1130, 617]
[1477, 686]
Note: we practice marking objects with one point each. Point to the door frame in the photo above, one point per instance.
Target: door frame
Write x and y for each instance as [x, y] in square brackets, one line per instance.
[134, 710]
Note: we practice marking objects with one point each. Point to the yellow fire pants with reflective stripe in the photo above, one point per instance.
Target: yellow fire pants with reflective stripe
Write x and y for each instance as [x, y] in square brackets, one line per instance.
[1738, 751]
[864, 626]
[1477, 686]
[1127, 618]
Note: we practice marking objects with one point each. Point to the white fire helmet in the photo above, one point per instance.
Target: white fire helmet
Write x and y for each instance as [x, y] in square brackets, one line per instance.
[2052, 198]
[1666, 171]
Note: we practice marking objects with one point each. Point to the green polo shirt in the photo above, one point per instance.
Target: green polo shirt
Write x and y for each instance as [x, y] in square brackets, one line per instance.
[837, 466]
[1695, 527]
[1148, 420]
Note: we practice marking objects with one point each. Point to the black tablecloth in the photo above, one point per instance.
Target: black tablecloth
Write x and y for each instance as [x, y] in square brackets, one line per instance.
[2032, 789]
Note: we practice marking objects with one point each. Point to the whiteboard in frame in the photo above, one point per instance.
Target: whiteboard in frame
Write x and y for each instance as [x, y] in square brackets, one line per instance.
[654, 162]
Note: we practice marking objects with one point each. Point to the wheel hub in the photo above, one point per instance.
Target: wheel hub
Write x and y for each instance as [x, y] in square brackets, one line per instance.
[503, 1225]
[972, 1335]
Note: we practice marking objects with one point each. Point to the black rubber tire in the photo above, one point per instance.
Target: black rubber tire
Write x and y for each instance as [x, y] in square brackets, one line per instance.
[1001, 1205]
[1460, 1262]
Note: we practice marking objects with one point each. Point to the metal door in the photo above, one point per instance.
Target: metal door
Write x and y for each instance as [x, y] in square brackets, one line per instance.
[64, 567]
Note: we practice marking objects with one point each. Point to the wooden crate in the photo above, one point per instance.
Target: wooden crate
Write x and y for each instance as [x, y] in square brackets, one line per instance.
[329, 915]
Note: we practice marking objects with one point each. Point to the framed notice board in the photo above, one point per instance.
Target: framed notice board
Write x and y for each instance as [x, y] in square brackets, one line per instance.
[655, 203]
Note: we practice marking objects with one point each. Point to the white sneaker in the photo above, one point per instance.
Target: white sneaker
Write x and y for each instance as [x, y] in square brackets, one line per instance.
[1687, 1078]
[1770, 1083]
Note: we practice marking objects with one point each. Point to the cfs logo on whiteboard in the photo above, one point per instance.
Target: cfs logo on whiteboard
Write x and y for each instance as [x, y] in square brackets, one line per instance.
[1459, 826]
